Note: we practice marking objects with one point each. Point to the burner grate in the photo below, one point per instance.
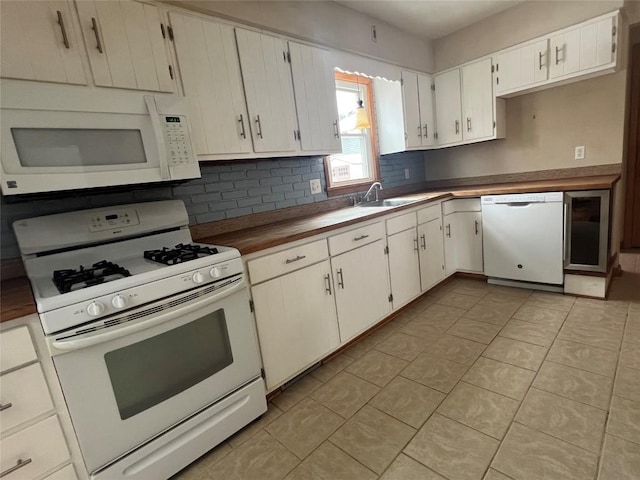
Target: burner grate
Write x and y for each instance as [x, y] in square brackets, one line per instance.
[180, 253]
[69, 280]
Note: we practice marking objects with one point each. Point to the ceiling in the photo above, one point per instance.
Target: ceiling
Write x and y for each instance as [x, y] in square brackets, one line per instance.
[430, 19]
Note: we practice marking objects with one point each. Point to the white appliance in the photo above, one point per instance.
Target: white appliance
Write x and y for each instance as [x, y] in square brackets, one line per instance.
[151, 335]
[76, 141]
[523, 237]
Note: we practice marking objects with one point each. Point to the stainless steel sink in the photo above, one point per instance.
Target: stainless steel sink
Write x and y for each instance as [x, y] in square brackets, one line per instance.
[389, 202]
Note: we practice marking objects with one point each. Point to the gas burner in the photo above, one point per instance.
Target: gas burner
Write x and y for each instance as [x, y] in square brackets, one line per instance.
[180, 253]
[70, 279]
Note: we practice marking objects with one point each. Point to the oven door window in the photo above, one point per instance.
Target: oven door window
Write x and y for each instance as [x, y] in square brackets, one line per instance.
[148, 372]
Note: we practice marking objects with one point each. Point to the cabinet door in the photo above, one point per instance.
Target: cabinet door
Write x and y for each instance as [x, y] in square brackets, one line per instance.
[210, 72]
[296, 319]
[541, 60]
[315, 93]
[477, 93]
[596, 44]
[412, 124]
[463, 242]
[427, 110]
[564, 53]
[39, 42]
[268, 89]
[361, 279]
[448, 107]
[125, 45]
[514, 69]
[431, 253]
[404, 268]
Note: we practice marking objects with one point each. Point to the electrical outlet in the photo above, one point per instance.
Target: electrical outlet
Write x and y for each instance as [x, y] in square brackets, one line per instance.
[316, 187]
[580, 152]
[406, 173]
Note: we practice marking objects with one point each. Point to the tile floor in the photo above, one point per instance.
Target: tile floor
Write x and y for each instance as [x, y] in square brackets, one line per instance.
[471, 382]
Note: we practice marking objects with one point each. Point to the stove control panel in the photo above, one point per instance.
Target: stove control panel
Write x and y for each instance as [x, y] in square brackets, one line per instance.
[114, 219]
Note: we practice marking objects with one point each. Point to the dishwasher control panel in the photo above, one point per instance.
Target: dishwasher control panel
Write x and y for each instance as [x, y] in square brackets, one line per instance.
[522, 198]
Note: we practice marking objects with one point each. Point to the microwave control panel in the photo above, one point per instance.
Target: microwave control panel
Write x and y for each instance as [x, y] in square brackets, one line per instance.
[177, 140]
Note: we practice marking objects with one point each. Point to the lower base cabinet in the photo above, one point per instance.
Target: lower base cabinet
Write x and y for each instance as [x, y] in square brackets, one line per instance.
[431, 253]
[404, 267]
[463, 242]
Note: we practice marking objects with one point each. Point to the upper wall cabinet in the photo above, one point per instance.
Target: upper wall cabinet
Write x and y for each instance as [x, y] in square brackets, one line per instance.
[315, 95]
[419, 116]
[448, 106]
[210, 72]
[125, 45]
[268, 90]
[39, 42]
[522, 66]
[477, 100]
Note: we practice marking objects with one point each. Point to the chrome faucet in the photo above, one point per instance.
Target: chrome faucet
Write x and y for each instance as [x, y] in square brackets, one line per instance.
[375, 186]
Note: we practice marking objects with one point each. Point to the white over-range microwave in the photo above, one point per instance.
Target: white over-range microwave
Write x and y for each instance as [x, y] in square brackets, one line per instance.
[92, 140]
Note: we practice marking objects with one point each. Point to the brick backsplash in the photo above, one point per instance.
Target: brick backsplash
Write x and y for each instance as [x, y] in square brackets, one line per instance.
[224, 191]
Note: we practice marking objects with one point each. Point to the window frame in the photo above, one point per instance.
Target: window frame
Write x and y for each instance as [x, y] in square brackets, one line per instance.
[358, 185]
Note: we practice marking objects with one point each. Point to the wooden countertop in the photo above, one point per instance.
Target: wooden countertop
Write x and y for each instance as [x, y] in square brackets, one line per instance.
[17, 299]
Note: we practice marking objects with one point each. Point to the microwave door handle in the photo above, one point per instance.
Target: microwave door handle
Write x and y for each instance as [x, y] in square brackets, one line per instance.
[159, 136]
[70, 344]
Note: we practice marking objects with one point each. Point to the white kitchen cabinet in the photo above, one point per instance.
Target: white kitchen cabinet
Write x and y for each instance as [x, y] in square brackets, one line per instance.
[315, 97]
[597, 43]
[125, 45]
[477, 100]
[404, 265]
[427, 110]
[448, 106]
[417, 98]
[361, 279]
[268, 90]
[39, 42]
[296, 320]
[565, 53]
[212, 83]
[431, 249]
[463, 242]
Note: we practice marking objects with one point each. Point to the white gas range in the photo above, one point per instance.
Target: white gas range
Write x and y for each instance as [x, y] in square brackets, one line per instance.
[151, 335]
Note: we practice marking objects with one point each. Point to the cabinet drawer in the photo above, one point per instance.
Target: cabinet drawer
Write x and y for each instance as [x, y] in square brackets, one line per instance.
[401, 223]
[26, 391]
[429, 213]
[355, 238]
[274, 265]
[66, 473]
[461, 205]
[43, 443]
[16, 348]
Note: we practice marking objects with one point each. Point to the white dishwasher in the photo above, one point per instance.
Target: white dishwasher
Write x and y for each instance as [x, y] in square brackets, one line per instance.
[524, 237]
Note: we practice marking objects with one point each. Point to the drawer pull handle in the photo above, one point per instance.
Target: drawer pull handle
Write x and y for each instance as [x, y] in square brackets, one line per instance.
[5, 406]
[420, 131]
[94, 27]
[423, 239]
[426, 131]
[336, 130]
[340, 279]
[557, 52]
[259, 125]
[243, 134]
[327, 278]
[361, 237]
[19, 464]
[448, 227]
[299, 257]
[416, 248]
[476, 227]
[65, 39]
[539, 60]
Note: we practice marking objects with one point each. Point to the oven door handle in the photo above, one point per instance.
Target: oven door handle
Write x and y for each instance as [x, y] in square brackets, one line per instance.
[128, 328]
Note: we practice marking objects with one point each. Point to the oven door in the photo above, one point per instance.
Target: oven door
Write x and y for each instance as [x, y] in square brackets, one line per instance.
[127, 383]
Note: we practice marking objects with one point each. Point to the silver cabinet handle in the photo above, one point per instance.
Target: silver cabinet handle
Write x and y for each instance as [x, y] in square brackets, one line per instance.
[243, 133]
[65, 39]
[423, 239]
[415, 248]
[94, 27]
[336, 129]
[19, 464]
[468, 124]
[259, 125]
[361, 237]
[420, 131]
[327, 279]
[5, 406]
[426, 131]
[557, 51]
[539, 60]
[448, 228]
[457, 126]
[476, 222]
[298, 258]
[340, 278]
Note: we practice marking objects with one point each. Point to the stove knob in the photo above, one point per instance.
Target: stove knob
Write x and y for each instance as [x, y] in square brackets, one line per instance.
[95, 308]
[197, 277]
[215, 272]
[119, 301]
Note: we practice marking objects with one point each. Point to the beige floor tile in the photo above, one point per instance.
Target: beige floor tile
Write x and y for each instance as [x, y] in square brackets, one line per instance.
[345, 394]
[377, 367]
[408, 401]
[495, 475]
[199, 470]
[601, 304]
[543, 316]
[304, 427]
[612, 317]
[506, 301]
[624, 419]
[537, 334]
[434, 372]
[373, 438]
[261, 458]
[361, 347]
[422, 327]
[494, 314]
[620, 459]
[630, 355]
[458, 300]
[296, 392]
[451, 449]
[514, 352]
[568, 420]
[528, 454]
[584, 357]
[457, 349]
[627, 384]
[480, 409]
[441, 316]
[254, 427]
[480, 289]
[632, 332]
[477, 331]
[596, 335]
[554, 301]
[519, 293]
[330, 369]
[499, 377]
[328, 462]
[406, 468]
[579, 385]
[402, 346]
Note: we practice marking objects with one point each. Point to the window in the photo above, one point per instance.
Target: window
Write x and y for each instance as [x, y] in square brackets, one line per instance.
[357, 165]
